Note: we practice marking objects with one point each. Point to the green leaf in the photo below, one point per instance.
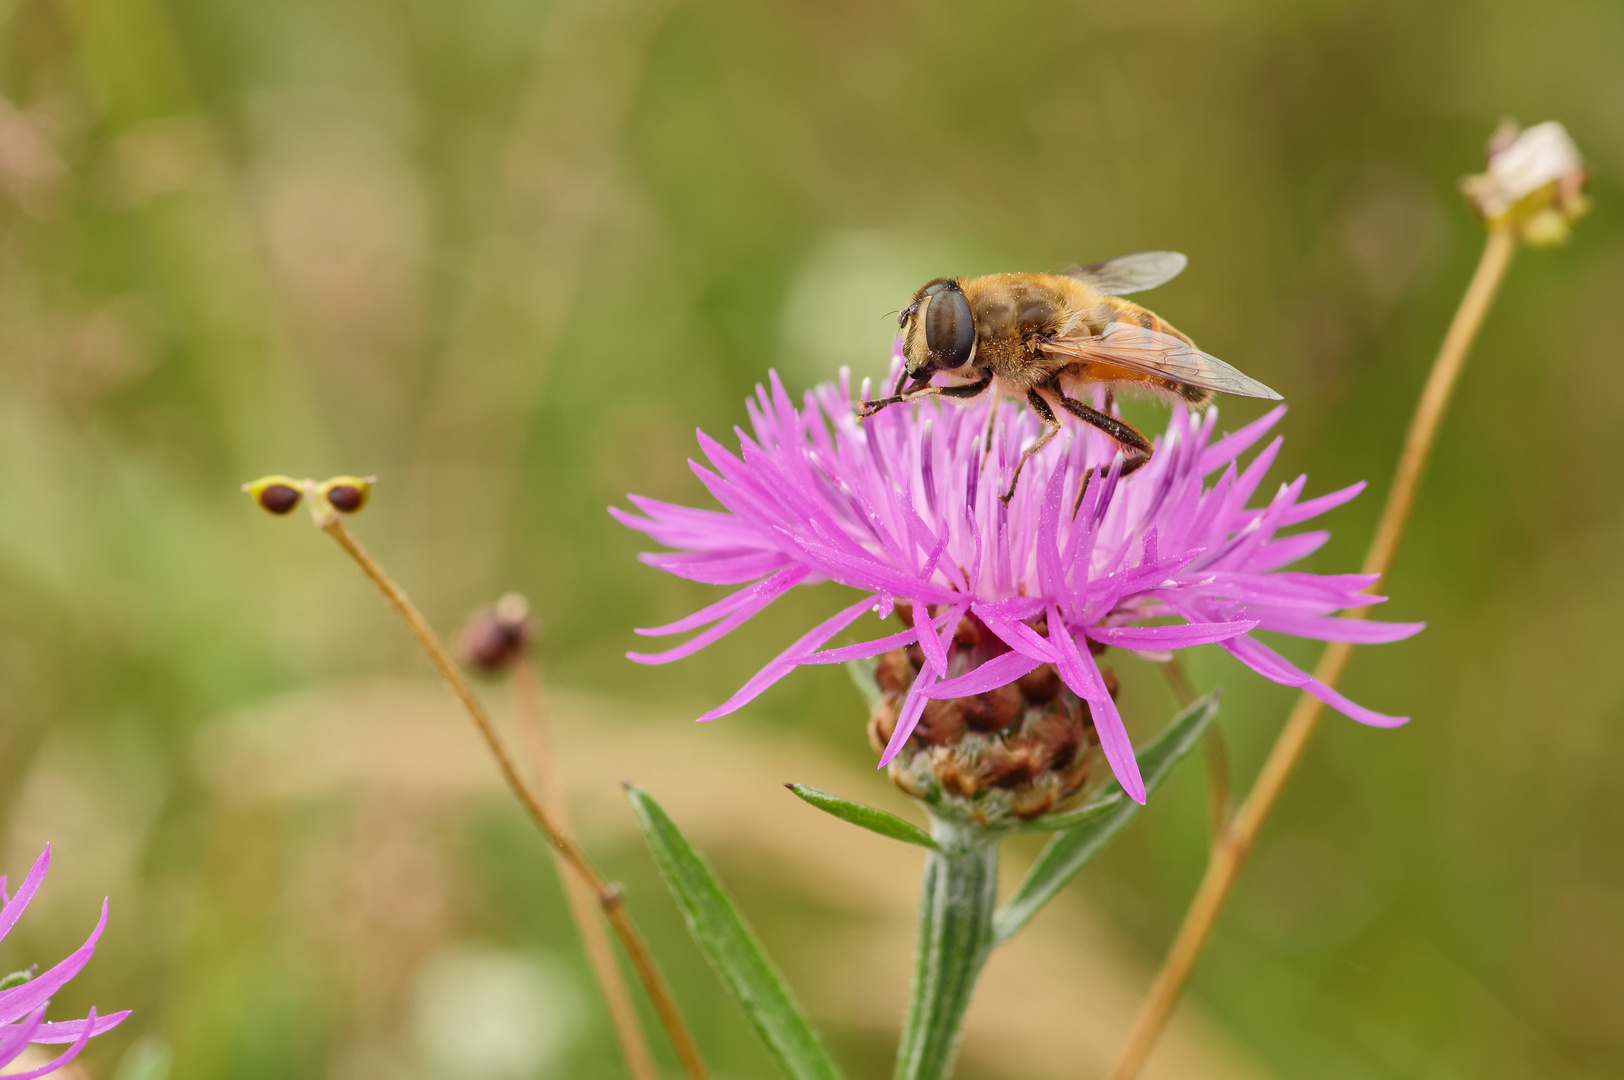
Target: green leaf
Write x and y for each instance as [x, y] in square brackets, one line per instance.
[148, 1058]
[862, 673]
[880, 821]
[732, 948]
[1088, 830]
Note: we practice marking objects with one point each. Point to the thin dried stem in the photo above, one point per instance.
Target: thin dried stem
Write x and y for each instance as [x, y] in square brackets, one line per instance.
[1230, 854]
[578, 889]
[607, 894]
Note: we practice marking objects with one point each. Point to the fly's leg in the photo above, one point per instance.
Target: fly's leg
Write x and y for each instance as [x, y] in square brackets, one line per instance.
[992, 422]
[922, 390]
[1136, 448]
[966, 390]
[1051, 428]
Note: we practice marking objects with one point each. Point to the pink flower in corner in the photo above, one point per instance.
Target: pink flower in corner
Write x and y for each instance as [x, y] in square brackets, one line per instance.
[904, 507]
[22, 1007]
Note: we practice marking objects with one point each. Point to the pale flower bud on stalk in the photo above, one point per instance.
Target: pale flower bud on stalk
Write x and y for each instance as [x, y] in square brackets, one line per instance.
[1534, 184]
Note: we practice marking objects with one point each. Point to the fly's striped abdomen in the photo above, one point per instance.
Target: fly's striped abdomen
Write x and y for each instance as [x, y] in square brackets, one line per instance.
[1115, 309]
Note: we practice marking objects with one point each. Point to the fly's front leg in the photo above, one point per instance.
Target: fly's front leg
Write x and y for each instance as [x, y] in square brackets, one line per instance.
[923, 390]
[1051, 428]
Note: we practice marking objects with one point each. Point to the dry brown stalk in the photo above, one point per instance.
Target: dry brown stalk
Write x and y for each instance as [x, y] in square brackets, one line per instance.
[1229, 854]
[607, 895]
[583, 901]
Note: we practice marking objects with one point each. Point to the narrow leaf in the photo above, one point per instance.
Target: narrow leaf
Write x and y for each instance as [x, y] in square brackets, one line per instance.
[862, 673]
[732, 949]
[1088, 830]
[879, 821]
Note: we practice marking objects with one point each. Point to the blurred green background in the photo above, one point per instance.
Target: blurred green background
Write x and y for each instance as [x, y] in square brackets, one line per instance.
[509, 255]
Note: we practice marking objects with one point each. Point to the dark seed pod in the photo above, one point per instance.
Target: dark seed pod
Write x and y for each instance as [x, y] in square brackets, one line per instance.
[347, 494]
[275, 494]
[279, 498]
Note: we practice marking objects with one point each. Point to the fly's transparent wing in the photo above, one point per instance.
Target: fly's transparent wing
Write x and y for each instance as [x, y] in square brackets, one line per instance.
[1135, 348]
[1132, 273]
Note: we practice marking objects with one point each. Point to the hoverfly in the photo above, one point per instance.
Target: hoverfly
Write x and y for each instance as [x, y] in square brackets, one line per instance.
[1042, 337]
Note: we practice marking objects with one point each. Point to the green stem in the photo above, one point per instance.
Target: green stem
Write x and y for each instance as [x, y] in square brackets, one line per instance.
[956, 902]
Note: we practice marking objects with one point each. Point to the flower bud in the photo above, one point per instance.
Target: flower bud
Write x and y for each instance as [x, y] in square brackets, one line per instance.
[276, 494]
[495, 636]
[1009, 754]
[1534, 184]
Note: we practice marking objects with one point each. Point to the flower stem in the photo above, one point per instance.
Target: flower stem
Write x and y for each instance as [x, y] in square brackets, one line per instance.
[956, 902]
[578, 891]
[608, 895]
[1230, 854]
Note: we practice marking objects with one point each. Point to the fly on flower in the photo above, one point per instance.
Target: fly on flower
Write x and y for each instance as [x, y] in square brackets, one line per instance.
[904, 508]
[1046, 338]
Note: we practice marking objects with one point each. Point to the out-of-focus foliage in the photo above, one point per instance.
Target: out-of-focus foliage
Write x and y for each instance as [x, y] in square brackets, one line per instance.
[507, 256]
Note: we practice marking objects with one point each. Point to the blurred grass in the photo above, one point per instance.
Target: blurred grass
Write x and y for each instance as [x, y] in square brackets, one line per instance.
[509, 256]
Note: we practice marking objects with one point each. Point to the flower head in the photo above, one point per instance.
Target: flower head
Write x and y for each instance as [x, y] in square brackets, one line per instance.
[904, 507]
[1534, 184]
[23, 1001]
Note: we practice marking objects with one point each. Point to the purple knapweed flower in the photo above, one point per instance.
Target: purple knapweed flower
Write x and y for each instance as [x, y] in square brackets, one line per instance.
[22, 1007]
[905, 506]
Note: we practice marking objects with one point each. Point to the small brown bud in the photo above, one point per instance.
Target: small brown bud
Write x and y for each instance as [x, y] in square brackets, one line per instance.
[1040, 685]
[994, 710]
[1034, 801]
[893, 673]
[1007, 766]
[955, 777]
[493, 637]
[882, 724]
[941, 724]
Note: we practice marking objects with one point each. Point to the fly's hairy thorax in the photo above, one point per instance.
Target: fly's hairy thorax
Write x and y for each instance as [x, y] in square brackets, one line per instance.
[1016, 314]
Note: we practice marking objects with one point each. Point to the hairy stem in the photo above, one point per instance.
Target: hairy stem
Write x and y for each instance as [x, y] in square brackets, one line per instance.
[956, 902]
[1229, 855]
[608, 895]
[578, 890]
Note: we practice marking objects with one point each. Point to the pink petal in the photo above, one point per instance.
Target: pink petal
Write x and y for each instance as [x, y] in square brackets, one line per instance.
[14, 1038]
[913, 707]
[1178, 636]
[1236, 443]
[1276, 668]
[1327, 628]
[25, 892]
[785, 661]
[21, 1000]
[64, 1031]
[706, 615]
[62, 1059]
[1078, 672]
[1001, 670]
[768, 592]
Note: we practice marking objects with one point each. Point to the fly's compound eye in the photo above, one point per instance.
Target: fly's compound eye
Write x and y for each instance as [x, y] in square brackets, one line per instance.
[950, 329]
